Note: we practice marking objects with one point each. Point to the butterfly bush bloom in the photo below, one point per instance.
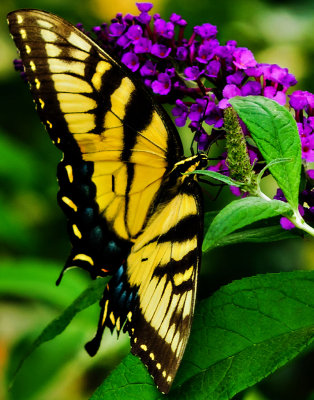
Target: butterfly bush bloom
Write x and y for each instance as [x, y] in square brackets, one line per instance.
[198, 75]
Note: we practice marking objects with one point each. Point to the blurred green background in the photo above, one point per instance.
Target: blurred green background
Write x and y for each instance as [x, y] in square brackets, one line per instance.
[33, 238]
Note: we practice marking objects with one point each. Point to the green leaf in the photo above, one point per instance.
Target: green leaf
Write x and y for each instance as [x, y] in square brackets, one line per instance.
[240, 213]
[258, 235]
[240, 335]
[246, 331]
[130, 380]
[90, 296]
[276, 134]
[216, 175]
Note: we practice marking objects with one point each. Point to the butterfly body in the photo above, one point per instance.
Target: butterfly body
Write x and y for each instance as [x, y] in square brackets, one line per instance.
[132, 211]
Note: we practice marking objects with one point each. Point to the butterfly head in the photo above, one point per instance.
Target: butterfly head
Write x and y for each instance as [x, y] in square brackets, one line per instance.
[190, 164]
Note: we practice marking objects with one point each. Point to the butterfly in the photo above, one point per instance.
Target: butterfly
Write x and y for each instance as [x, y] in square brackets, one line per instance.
[132, 211]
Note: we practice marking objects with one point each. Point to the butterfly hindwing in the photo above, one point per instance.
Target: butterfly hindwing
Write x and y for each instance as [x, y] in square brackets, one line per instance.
[154, 291]
[164, 264]
[131, 213]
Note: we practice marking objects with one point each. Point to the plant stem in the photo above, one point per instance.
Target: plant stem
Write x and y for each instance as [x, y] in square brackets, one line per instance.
[299, 222]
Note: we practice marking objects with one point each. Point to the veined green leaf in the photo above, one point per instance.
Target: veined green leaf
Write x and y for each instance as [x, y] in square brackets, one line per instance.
[257, 235]
[240, 335]
[276, 134]
[246, 331]
[240, 213]
[217, 176]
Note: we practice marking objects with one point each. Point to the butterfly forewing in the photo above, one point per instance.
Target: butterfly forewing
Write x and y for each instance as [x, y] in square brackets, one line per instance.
[104, 122]
[131, 215]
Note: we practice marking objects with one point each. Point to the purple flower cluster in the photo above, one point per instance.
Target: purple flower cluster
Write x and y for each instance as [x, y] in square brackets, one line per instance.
[198, 75]
[197, 67]
[303, 104]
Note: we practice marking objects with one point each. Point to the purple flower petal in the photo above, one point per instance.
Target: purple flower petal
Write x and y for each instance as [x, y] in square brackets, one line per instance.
[213, 68]
[206, 31]
[181, 112]
[144, 18]
[148, 69]
[205, 53]
[298, 100]
[177, 20]
[124, 41]
[116, 29]
[144, 7]
[255, 72]
[235, 190]
[192, 73]
[220, 166]
[203, 141]
[251, 88]
[243, 58]
[160, 50]
[224, 103]
[134, 33]
[310, 173]
[162, 85]
[131, 61]
[280, 196]
[165, 29]
[180, 108]
[307, 149]
[271, 93]
[215, 117]
[197, 110]
[286, 224]
[182, 53]
[235, 78]
[253, 156]
[143, 45]
[230, 91]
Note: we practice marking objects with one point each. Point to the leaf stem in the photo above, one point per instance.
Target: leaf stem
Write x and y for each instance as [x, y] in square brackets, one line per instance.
[299, 222]
[259, 193]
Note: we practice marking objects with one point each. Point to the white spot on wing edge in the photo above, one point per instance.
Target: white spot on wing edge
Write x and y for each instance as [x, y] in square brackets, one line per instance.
[44, 24]
[32, 65]
[19, 19]
[23, 33]
[79, 42]
[143, 347]
[48, 36]
[52, 50]
[37, 83]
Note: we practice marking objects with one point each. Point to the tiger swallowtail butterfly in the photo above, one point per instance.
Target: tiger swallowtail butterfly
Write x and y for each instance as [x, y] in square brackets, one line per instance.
[132, 213]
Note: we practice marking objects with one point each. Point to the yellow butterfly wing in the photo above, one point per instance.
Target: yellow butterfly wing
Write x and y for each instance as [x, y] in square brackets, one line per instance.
[117, 143]
[131, 212]
[154, 291]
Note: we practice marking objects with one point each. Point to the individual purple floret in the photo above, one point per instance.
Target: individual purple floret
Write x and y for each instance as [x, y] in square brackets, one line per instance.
[162, 85]
[131, 61]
